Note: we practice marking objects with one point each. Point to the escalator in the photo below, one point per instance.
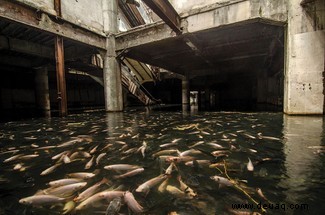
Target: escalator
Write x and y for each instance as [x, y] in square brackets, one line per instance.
[133, 74]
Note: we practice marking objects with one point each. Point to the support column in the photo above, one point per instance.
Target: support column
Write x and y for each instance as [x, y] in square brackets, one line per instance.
[303, 85]
[42, 91]
[112, 69]
[207, 98]
[185, 94]
[60, 76]
[213, 100]
[125, 97]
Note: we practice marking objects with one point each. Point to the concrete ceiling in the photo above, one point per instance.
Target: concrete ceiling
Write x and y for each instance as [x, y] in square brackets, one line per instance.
[28, 48]
[239, 48]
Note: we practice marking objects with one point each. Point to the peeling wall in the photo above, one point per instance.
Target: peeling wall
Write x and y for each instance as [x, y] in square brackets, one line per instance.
[228, 12]
[43, 5]
[182, 6]
[88, 14]
[271, 9]
[304, 87]
[84, 13]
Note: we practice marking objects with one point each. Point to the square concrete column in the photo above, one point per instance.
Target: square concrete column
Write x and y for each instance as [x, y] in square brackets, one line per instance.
[112, 69]
[207, 98]
[185, 94]
[304, 66]
[42, 91]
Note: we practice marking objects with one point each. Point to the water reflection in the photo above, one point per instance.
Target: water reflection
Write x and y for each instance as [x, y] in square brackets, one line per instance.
[302, 144]
[114, 121]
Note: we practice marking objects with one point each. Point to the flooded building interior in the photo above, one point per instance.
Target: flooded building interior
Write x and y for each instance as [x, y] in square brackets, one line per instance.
[183, 88]
[233, 56]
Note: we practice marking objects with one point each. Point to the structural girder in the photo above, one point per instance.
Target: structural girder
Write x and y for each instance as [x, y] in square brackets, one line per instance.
[166, 12]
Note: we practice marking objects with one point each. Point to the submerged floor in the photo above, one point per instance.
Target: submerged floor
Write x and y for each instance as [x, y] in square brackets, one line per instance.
[287, 154]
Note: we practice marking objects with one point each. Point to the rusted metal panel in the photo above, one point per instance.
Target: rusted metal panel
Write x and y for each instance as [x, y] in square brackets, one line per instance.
[35, 19]
[131, 13]
[60, 76]
[57, 7]
[137, 14]
[166, 12]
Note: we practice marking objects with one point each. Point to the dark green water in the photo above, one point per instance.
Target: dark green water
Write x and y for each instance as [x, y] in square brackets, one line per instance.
[292, 171]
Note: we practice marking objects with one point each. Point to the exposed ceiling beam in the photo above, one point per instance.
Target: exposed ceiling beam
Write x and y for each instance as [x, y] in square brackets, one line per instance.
[166, 12]
[35, 49]
[30, 17]
[140, 36]
[26, 47]
[263, 54]
[76, 52]
[16, 61]
[170, 75]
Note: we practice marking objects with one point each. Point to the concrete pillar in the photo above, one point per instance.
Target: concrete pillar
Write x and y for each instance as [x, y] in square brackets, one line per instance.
[213, 100]
[185, 94]
[125, 97]
[207, 98]
[42, 91]
[199, 99]
[305, 41]
[112, 69]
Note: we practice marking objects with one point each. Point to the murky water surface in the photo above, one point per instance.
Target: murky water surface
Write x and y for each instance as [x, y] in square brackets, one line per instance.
[287, 154]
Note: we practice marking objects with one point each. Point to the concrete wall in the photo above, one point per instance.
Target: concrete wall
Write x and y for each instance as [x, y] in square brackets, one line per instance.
[229, 12]
[43, 5]
[268, 8]
[304, 81]
[182, 6]
[210, 14]
[88, 14]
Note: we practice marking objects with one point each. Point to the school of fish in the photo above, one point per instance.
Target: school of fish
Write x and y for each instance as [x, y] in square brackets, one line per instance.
[129, 171]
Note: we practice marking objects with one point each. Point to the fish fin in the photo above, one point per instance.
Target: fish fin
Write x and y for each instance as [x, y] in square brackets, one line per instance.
[221, 186]
[119, 171]
[175, 166]
[179, 178]
[146, 193]
[96, 171]
[105, 181]
[40, 192]
[116, 177]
